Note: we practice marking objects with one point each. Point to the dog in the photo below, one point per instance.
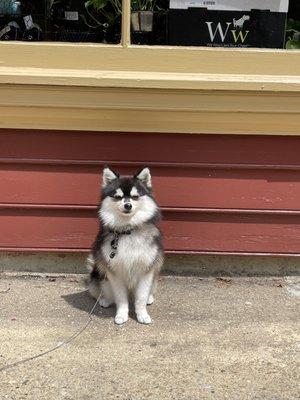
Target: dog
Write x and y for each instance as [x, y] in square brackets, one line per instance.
[127, 254]
[239, 23]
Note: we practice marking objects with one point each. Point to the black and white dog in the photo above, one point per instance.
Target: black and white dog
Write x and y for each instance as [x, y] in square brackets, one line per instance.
[127, 254]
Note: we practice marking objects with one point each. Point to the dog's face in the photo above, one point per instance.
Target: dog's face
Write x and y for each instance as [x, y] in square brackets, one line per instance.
[127, 201]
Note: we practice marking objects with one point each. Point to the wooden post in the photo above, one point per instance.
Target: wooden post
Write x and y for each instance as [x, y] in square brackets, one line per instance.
[126, 12]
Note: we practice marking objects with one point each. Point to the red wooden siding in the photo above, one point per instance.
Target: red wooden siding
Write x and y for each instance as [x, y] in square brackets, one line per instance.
[175, 186]
[219, 193]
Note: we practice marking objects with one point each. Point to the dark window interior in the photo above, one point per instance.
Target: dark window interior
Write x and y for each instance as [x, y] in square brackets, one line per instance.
[152, 23]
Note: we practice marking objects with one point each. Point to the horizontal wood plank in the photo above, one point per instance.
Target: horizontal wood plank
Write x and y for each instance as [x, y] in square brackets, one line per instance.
[148, 147]
[219, 194]
[55, 229]
[174, 187]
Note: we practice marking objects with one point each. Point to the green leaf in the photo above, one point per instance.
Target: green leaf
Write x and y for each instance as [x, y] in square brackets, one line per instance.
[293, 24]
[292, 45]
[98, 4]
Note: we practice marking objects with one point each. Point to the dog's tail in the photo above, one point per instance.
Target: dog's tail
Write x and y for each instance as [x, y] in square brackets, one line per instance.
[96, 276]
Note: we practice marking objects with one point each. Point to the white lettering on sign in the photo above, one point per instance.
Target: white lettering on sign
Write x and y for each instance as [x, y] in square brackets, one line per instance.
[219, 29]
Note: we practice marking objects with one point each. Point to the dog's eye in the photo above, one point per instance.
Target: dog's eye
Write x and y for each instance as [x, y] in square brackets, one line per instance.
[117, 197]
[135, 197]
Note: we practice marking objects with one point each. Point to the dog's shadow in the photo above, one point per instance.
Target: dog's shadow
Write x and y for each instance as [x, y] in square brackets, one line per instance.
[84, 302]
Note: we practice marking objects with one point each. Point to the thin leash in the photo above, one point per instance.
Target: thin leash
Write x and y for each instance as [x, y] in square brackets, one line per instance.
[5, 291]
[61, 344]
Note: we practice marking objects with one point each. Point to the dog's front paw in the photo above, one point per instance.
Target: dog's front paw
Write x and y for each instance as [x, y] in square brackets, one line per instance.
[144, 318]
[121, 319]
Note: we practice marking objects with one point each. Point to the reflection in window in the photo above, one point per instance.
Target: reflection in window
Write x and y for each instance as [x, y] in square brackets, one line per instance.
[61, 20]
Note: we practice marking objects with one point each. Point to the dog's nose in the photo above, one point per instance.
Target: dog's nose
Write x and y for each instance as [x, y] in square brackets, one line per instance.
[127, 206]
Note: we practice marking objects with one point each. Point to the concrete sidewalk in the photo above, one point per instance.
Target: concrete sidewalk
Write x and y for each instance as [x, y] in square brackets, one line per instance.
[211, 339]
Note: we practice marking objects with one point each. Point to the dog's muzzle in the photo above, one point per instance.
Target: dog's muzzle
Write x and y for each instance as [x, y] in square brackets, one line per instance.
[127, 208]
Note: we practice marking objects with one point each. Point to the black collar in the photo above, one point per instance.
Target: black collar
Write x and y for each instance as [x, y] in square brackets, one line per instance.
[114, 243]
[125, 232]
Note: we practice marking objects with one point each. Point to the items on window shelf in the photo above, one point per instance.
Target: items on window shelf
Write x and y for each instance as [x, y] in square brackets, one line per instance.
[33, 31]
[293, 35]
[86, 21]
[61, 20]
[22, 20]
[293, 26]
[11, 31]
[149, 22]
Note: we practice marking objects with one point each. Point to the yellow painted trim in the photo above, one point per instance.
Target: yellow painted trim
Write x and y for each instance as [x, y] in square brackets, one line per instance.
[149, 89]
[148, 80]
[189, 60]
[151, 110]
[149, 121]
[152, 99]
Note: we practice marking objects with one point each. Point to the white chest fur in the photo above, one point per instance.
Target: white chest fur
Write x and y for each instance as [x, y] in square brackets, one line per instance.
[134, 255]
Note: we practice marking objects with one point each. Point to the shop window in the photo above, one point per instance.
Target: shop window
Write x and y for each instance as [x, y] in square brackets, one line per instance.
[61, 20]
[208, 23]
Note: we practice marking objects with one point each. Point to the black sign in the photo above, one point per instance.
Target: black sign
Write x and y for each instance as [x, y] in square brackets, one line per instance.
[202, 27]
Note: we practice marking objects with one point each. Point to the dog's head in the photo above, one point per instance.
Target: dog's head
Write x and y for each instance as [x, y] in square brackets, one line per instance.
[127, 201]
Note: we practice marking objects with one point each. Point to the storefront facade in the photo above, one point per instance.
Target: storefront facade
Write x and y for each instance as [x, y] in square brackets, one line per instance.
[218, 127]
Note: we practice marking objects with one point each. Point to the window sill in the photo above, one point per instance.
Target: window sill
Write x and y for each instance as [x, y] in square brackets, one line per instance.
[110, 88]
[148, 79]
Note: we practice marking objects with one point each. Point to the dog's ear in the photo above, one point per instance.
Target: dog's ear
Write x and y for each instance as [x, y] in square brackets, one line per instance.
[108, 176]
[144, 176]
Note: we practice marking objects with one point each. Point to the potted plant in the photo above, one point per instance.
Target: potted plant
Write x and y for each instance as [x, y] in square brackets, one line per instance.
[142, 15]
[149, 21]
[106, 14]
[293, 34]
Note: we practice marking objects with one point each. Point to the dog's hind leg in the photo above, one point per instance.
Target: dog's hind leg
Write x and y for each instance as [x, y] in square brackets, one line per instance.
[107, 297]
[156, 269]
[152, 292]
[99, 285]
[96, 277]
